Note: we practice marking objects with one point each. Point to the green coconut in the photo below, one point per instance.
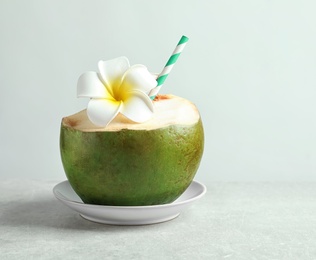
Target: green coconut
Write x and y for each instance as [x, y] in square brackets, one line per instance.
[131, 164]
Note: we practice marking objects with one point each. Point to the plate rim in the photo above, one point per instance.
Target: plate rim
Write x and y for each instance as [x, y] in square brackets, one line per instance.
[175, 203]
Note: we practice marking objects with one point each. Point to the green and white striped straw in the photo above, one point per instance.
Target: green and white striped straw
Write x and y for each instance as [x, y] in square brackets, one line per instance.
[169, 65]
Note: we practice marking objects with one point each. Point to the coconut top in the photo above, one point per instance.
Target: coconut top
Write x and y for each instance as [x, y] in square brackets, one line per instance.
[168, 110]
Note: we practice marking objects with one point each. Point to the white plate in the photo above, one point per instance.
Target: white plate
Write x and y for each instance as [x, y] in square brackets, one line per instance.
[129, 215]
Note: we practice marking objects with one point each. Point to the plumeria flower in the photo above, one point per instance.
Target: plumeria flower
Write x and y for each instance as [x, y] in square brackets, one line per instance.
[117, 88]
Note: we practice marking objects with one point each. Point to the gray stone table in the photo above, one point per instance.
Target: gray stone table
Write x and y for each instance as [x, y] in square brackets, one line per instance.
[232, 221]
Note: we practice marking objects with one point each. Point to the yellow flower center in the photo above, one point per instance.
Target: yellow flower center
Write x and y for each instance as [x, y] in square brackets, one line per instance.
[117, 93]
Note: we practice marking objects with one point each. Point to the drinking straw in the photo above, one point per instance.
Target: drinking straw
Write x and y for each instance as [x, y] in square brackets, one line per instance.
[169, 65]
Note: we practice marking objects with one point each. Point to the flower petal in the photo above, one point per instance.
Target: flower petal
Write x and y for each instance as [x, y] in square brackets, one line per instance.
[102, 111]
[90, 85]
[138, 107]
[113, 70]
[139, 78]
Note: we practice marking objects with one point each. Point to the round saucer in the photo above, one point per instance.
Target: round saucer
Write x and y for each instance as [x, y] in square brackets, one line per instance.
[128, 215]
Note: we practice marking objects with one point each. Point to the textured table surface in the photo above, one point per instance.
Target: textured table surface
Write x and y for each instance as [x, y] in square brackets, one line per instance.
[232, 221]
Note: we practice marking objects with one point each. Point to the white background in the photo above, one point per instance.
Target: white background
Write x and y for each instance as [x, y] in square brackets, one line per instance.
[250, 67]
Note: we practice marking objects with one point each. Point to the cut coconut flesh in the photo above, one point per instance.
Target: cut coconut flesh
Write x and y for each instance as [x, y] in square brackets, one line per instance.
[168, 110]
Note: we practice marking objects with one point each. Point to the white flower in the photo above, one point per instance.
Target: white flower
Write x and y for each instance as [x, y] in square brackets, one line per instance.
[117, 88]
